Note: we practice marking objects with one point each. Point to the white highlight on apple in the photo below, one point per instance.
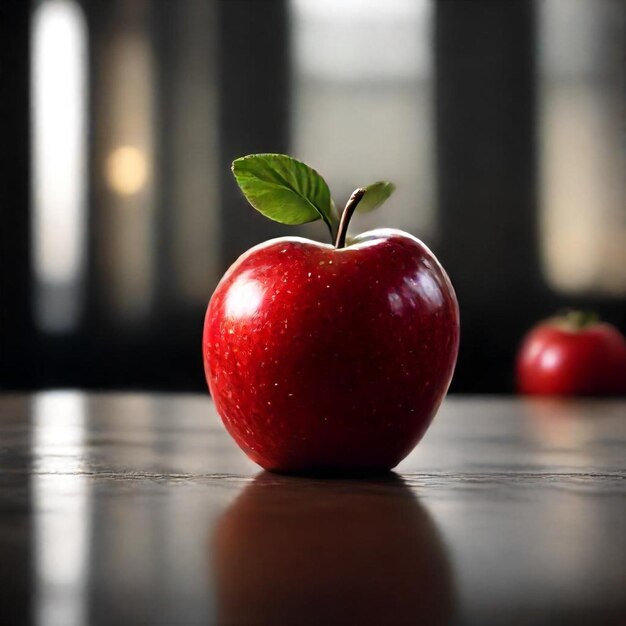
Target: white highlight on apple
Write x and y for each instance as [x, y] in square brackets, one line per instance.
[244, 297]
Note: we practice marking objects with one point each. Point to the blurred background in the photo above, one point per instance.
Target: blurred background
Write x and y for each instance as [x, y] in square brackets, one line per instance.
[501, 122]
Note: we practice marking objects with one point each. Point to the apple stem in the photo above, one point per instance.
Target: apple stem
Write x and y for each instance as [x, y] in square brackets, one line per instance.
[346, 216]
[579, 320]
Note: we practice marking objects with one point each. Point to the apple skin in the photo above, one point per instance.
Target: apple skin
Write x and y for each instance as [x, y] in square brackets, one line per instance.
[326, 359]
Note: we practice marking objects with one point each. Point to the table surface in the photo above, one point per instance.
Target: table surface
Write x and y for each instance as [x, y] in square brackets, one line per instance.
[139, 509]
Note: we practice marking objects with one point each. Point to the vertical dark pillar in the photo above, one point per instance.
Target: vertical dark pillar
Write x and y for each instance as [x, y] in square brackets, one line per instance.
[254, 103]
[95, 342]
[16, 328]
[485, 94]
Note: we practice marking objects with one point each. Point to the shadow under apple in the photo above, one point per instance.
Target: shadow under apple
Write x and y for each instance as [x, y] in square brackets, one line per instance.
[300, 551]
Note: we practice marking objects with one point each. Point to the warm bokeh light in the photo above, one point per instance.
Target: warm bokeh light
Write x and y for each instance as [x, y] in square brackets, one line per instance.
[126, 154]
[127, 170]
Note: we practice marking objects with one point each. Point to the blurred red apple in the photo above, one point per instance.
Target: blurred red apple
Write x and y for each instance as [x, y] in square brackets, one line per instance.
[572, 355]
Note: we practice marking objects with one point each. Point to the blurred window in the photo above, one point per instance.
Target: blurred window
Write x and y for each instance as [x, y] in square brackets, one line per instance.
[195, 162]
[157, 157]
[362, 102]
[58, 192]
[581, 107]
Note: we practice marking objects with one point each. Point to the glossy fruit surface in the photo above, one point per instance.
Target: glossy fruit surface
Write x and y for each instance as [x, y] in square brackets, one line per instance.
[564, 357]
[320, 358]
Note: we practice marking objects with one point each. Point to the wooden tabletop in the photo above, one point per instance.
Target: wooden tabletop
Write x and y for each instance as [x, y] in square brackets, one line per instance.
[138, 509]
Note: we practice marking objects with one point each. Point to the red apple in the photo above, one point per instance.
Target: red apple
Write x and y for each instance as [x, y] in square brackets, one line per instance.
[572, 355]
[322, 357]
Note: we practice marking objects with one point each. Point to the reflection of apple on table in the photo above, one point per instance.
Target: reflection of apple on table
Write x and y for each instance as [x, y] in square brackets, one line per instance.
[568, 423]
[297, 551]
[328, 357]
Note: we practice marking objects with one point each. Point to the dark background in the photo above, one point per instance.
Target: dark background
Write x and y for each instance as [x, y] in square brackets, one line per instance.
[500, 121]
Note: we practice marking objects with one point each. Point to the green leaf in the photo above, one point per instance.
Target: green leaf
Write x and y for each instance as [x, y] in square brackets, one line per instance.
[375, 195]
[284, 189]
